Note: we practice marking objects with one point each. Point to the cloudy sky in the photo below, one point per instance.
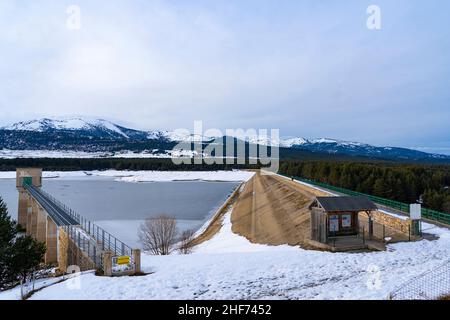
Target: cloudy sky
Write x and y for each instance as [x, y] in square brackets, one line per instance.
[310, 68]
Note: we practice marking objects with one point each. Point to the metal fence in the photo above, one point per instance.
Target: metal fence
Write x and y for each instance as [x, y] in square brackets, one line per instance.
[431, 285]
[103, 240]
[86, 245]
[357, 241]
[388, 234]
[426, 213]
[381, 233]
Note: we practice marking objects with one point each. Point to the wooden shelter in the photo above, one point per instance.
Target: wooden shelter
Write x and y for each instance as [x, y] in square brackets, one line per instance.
[338, 216]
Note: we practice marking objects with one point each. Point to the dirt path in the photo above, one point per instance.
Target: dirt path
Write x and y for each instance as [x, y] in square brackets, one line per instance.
[273, 210]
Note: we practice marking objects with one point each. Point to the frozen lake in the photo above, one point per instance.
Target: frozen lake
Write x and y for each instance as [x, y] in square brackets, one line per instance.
[120, 207]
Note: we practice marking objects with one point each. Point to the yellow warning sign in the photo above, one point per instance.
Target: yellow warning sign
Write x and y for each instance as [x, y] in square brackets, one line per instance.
[123, 260]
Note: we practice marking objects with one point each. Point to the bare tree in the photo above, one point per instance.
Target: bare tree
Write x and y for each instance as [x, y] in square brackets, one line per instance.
[186, 241]
[157, 234]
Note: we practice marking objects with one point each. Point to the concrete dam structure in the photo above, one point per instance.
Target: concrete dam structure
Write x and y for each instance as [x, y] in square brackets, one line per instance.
[72, 242]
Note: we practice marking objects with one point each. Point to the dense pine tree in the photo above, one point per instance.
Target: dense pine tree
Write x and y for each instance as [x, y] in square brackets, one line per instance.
[19, 254]
[8, 232]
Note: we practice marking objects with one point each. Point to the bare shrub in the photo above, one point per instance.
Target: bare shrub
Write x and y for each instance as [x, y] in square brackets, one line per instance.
[186, 241]
[157, 234]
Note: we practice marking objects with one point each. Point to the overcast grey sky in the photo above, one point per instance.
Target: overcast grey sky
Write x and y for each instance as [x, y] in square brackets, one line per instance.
[310, 68]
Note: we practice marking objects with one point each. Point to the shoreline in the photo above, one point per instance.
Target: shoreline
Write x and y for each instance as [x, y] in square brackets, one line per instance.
[147, 176]
[213, 225]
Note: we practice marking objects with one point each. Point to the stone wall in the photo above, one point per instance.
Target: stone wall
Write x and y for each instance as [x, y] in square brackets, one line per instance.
[51, 256]
[63, 248]
[23, 207]
[396, 223]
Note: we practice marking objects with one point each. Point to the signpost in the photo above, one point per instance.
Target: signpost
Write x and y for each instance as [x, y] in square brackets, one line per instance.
[415, 214]
[415, 211]
[122, 264]
[123, 260]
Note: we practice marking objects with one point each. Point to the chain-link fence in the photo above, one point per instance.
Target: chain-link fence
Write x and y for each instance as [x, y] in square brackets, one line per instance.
[432, 285]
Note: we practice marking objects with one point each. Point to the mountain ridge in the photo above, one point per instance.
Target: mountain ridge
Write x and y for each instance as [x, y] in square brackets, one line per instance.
[93, 135]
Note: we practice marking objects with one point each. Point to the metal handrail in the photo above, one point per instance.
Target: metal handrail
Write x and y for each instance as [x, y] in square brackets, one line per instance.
[105, 240]
[60, 217]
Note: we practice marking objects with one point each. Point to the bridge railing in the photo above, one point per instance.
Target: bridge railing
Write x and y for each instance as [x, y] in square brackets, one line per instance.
[85, 244]
[426, 213]
[105, 240]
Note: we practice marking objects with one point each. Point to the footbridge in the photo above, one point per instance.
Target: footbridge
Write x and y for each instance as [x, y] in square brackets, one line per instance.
[71, 240]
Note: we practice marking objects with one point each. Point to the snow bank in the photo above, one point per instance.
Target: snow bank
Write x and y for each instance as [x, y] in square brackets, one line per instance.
[14, 154]
[225, 241]
[48, 174]
[15, 293]
[154, 176]
[7, 175]
[147, 176]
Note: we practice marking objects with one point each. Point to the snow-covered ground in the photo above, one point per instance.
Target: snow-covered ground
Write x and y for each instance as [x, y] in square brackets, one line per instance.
[230, 267]
[147, 176]
[14, 154]
[16, 293]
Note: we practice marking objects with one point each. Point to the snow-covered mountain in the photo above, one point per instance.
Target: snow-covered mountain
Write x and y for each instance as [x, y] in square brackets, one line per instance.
[82, 126]
[45, 124]
[98, 135]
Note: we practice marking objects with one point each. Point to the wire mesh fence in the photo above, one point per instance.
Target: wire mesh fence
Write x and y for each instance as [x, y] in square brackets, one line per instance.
[432, 285]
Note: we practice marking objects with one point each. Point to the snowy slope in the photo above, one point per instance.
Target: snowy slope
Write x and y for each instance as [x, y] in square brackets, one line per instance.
[230, 267]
